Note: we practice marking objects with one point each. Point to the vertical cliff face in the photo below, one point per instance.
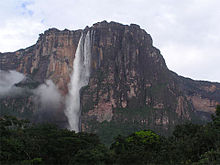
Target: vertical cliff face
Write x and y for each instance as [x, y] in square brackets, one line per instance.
[130, 86]
[50, 58]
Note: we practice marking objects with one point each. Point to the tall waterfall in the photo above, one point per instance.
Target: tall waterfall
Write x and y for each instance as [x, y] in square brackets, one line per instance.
[79, 78]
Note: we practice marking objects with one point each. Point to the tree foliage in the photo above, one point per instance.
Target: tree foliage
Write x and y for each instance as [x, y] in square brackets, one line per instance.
[46, 144]
[24, 143]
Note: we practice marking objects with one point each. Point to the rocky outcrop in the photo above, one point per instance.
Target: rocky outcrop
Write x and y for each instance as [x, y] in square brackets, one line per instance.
[50, 58]
[130, 87]
[204, 96]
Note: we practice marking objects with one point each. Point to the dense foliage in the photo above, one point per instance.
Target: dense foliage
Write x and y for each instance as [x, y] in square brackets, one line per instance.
[25, 143]
[22, 143]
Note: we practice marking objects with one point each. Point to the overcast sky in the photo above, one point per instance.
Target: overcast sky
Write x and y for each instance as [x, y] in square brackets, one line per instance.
[187, 32]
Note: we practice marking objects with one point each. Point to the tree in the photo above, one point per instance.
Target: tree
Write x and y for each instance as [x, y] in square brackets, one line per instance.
[47, 144]
[141, 147]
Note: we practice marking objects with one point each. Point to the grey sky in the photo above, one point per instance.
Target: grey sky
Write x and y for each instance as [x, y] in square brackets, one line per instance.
[187, 32]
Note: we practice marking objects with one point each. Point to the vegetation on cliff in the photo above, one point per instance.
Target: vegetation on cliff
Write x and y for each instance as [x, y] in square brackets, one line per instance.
[24, 143]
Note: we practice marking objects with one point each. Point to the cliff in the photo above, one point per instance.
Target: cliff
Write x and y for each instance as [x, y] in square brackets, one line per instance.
[130, 86]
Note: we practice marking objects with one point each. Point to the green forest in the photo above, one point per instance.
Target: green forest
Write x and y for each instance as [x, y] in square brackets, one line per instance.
[24, 143]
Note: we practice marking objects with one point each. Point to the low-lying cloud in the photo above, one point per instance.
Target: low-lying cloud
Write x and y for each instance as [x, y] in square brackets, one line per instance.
[8, 79]
[46, 97]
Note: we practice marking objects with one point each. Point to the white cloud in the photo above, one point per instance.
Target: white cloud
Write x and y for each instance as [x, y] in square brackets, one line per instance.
[18, 34]
[186, 60]
[187, 32]
[8, 79]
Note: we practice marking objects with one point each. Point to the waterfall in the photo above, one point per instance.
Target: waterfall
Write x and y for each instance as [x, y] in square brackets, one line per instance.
[79, 78]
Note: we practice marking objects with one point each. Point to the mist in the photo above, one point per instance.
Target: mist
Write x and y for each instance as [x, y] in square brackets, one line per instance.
[49, 104]
[8, 79]
[47, 96]
[47, 100]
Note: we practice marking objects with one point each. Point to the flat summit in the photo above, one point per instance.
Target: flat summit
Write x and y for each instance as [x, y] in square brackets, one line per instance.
[130, 87]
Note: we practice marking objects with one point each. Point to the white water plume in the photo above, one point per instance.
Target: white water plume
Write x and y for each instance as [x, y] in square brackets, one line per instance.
[79, 78]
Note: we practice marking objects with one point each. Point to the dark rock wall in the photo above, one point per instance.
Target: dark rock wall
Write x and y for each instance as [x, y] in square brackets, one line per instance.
[130, 86]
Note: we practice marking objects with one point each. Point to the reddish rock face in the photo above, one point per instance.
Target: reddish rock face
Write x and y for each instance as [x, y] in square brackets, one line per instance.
[50, 58]
[130, 85]
[128, 73]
